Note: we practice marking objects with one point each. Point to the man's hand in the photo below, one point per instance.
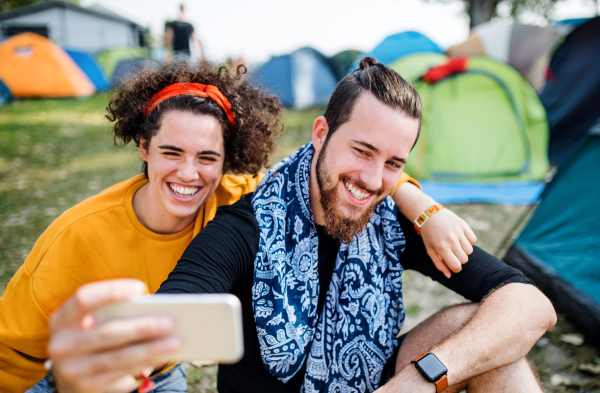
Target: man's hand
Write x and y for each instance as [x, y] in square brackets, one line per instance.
[87, 357]
[447, 237]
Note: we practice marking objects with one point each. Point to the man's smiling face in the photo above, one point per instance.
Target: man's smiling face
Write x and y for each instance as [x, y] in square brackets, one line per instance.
[359, 165]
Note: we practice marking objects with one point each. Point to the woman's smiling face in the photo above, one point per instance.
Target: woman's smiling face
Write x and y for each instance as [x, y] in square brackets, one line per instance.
[185, 161]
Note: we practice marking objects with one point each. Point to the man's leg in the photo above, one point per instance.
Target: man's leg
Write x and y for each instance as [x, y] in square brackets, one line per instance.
[516, 377]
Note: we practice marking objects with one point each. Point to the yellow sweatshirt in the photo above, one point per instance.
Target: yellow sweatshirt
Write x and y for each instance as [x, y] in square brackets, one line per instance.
[98, 239]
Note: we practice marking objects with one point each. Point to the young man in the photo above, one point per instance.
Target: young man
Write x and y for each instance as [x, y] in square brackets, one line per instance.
[178, 36]
[315, 255]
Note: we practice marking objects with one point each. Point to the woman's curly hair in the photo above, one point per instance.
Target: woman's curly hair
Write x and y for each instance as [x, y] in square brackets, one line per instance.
[257, 114]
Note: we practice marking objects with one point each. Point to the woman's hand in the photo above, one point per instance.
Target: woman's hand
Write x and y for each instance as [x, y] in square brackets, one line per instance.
[449, 241]
[87, 357]
[448, 238]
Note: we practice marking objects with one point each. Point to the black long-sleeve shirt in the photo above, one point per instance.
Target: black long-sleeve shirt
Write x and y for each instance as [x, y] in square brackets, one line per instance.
[221, 259]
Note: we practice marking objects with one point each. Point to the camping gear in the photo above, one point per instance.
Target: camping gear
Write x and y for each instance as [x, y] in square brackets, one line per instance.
[34, 66]
[399, 45]
[572, 92]
[412, 67]
[5, 95]
[560, 246]
[301, 79]
[90, 66]
[109, 59]
[345, 59]
[483, 124]
[525, 47]
[126, 69]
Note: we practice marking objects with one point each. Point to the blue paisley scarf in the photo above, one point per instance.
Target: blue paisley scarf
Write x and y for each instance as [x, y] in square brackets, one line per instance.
[350, 342]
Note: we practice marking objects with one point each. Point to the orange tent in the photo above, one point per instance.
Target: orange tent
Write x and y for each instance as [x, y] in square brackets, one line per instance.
[34, 66]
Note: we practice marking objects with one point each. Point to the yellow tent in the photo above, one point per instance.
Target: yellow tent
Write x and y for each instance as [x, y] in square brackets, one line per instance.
[34, 66]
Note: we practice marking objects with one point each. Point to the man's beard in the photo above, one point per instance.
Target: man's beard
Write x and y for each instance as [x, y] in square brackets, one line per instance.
[337, 225]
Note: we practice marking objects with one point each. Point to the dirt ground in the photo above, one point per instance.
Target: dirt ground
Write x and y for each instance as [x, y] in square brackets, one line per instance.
[55, 153]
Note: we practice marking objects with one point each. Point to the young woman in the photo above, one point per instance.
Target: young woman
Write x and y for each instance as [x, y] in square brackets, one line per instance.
[192, 124]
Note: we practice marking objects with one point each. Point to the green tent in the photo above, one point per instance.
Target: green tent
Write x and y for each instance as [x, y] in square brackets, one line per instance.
[481, 122]
[109, 59]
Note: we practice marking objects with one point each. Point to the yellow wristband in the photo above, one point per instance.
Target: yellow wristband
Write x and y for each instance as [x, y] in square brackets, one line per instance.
[423, 217]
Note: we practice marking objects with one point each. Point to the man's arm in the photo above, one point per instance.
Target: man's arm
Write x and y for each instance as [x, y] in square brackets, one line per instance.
[199, 41]
[220, 255]
[444, 234]
[505, 326]
[169, 38]
[503, 330]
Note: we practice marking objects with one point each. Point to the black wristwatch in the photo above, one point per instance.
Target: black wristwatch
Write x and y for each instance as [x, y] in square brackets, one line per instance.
[433, 370]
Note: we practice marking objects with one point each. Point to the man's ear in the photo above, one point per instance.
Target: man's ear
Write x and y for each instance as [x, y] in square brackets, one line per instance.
[320, 130]
[144, 149]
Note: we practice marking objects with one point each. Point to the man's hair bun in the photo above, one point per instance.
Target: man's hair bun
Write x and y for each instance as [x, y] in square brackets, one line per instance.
[367, 62]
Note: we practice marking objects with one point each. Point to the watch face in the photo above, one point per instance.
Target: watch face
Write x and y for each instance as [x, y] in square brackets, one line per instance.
[431, 367]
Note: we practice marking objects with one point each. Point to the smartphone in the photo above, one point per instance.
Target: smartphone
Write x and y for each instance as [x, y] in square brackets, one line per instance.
[210, 325]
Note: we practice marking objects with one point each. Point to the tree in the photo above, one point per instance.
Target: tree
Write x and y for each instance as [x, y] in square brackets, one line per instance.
[6, 5]
[481, 11]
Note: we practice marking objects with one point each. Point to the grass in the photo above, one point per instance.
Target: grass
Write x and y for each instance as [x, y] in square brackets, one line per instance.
[55, 153]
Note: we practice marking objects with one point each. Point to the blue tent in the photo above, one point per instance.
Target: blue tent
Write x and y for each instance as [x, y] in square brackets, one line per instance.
[301, 79]
[572, 92]
[560, 247]
[90, 67]
[399, 45]
[5, 96]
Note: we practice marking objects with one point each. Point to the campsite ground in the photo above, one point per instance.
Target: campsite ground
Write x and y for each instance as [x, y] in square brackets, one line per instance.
[55, 153]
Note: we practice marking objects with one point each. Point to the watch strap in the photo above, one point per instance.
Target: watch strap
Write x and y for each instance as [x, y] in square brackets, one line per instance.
[419, 358]
[441, 384]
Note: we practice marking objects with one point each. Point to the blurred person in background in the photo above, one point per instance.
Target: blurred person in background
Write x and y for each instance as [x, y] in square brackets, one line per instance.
[192, 125]
[178, 37]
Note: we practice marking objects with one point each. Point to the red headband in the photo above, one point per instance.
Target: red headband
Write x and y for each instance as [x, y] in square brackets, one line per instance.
[197, 89]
